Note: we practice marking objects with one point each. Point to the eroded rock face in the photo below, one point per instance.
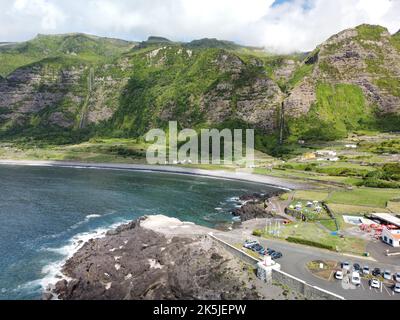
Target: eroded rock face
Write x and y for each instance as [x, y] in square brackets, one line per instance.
[352, 58]
[133, 262]
[30, 90]
[286, 71]
[301, 99]
[256, 103]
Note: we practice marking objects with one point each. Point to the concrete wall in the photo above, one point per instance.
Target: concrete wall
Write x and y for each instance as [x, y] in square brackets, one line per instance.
[236, 252]
[308, 291]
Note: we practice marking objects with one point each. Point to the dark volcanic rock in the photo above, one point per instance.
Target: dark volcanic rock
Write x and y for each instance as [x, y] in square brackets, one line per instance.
[251, 211]
[255, 206]
[132, 262]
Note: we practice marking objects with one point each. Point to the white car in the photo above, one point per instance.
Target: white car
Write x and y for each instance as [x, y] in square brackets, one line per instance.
[339, 275]
[249, 243]
[366, 270]
[356, 279]
[375, 283]
[397, 276]
[387, 275]
[396, 288]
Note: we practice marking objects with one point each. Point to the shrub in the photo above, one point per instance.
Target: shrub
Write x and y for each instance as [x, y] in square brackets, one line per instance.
[257, 233]
[310, 243]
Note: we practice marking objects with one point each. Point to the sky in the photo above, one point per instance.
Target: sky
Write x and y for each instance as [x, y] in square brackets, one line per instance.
[282, 26]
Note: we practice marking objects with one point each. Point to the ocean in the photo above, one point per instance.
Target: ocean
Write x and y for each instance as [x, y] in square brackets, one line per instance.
[47, 213]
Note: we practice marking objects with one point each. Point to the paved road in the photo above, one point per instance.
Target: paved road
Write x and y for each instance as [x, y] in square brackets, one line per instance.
[296, 257]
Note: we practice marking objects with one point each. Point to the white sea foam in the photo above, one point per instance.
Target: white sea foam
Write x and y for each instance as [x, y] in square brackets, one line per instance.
[53, 271]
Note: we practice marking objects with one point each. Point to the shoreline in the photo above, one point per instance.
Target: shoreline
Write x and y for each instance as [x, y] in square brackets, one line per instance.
[54, 271]
[278, 183]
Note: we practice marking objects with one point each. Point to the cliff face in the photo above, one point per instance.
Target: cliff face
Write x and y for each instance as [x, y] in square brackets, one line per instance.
[365, 57]
[28, 92]
[76, 82]
[356, 72]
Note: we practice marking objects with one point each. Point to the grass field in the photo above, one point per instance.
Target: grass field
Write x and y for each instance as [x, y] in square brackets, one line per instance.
[368, 197]
[313, 232]
[394, 206]
[311, 195]
[346, 209]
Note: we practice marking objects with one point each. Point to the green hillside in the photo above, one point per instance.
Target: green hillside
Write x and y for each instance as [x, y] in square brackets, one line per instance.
[68, 88]
[86, 47]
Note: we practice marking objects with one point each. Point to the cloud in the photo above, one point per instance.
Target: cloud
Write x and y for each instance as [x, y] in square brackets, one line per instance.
[283, 26]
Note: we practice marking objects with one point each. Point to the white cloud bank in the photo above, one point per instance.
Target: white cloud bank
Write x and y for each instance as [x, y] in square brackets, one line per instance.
[293, 25]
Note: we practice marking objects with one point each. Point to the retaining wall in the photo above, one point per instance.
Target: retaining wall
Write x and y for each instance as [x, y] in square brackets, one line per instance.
[236, 252]
[308, 291]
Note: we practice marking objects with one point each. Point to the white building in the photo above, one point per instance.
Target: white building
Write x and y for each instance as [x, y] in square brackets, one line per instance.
[391, 237]
[264, 269]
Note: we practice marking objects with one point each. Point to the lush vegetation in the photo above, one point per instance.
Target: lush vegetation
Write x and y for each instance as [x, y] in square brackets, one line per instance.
[87, 48]
[339, 109]
[310, 243]
[370, 32]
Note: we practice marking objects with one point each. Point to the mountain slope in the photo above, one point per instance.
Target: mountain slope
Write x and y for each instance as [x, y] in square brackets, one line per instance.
[354, 83]
[80, 85]
[86, 47]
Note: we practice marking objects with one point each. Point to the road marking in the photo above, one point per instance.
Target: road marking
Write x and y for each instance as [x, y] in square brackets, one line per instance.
[387, 291]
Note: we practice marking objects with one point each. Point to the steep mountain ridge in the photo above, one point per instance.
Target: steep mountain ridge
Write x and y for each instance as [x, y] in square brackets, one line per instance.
[353, 84]
[86, 85]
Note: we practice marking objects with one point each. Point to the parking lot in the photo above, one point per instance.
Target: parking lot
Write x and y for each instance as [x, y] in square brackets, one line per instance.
[364, 290]
[295, 258]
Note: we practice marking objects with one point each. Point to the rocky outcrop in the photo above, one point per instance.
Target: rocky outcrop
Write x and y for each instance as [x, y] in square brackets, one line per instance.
[254, 206]
[252, 211]
[141, 262]
[256, 102]
[301, 99]
[365, 57]
[286, 70]
[29, 91]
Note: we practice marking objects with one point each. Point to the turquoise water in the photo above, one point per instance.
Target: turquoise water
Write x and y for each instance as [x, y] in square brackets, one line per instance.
[45, 213]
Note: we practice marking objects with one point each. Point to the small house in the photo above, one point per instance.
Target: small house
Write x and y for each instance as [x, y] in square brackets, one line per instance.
[391, 237]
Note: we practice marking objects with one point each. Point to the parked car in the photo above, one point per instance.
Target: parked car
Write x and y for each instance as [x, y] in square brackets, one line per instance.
[339, 275]
[270, 251]
[249, 243]
[356, 279]
[259, 249]
[357, 267]
[346, 266]
[396, 288]
[276, 255]
[256, 247]
[366, 270]
[387, 275]
[397, 277]
[377, 272]
[375, 283]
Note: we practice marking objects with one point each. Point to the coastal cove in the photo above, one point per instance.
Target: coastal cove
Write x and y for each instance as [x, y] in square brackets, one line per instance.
[48, 210]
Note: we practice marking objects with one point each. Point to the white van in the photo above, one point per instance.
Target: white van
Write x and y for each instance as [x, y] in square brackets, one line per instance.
[356, 279]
